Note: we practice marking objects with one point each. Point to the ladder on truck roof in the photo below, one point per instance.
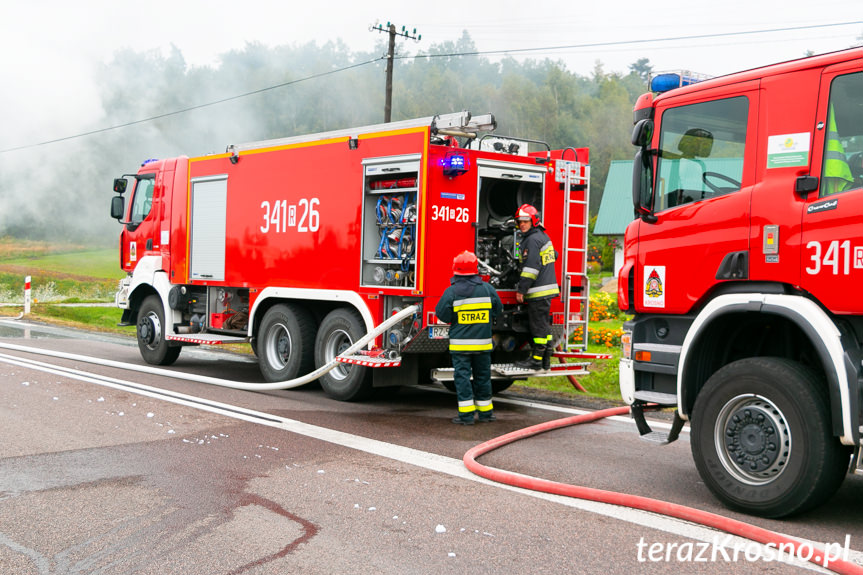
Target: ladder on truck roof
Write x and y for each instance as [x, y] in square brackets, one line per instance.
[454, 124]
[576, 306]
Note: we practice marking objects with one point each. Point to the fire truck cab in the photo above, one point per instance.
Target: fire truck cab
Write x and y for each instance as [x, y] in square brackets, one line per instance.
[742, 269]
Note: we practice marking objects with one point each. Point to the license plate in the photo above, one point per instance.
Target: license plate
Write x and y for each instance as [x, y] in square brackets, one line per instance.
[438, 331]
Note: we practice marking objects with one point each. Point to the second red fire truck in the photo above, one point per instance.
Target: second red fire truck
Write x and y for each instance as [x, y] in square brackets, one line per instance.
[302, 245]
[743, 271]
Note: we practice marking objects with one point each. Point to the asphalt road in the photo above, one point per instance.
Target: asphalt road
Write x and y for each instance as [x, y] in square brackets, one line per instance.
[110, 477]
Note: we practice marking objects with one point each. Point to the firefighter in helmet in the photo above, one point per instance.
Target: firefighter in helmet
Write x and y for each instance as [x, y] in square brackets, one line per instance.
[469, 305]
[537, 285]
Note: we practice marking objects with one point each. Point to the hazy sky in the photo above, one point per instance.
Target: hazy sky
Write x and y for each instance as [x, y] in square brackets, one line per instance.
[51, 48]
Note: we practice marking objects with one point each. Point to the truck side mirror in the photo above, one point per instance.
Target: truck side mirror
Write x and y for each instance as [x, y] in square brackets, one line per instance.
[118, 206]
[642, 133]
[642, 188]
[120, 185]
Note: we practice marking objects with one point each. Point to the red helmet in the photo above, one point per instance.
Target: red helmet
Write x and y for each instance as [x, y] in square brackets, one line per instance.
[527, 212]
[465, 264]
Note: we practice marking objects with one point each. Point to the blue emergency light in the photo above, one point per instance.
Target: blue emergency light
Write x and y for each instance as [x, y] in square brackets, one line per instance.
[455, 164]
[670, 81]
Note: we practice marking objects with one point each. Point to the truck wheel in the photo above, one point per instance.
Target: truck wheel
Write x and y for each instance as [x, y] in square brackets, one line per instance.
[762, 437]
[340, 329]
[151, 334]
[284, 347]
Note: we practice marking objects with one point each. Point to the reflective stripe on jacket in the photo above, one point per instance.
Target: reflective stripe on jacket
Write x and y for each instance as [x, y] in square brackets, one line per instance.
[469, 305]
[837, 172]
[538, 279]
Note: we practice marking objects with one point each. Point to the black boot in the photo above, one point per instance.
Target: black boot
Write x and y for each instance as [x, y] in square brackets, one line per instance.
[463, 420]
[546, 358]
[534, 360]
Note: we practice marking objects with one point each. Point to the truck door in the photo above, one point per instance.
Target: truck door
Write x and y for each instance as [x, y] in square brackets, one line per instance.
[832, 236]
[705, 161]
[143, 222]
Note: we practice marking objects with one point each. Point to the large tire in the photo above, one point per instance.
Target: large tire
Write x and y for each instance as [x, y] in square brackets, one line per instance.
[151, 331]
[340, 329]
[284, 344]
[762, 438]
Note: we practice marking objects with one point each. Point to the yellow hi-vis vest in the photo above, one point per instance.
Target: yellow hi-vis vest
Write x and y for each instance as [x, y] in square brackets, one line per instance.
[837, 173]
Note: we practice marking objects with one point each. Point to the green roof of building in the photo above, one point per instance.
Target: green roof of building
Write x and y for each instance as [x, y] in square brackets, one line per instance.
[615, 209]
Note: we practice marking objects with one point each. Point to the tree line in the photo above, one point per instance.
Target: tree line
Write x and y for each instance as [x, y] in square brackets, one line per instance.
[62, 191]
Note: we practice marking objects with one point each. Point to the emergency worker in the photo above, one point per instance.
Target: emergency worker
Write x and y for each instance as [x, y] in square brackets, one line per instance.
[469, 305]
[537, 285]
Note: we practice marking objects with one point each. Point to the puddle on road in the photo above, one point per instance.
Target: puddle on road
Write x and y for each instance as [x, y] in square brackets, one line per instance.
[14, 329]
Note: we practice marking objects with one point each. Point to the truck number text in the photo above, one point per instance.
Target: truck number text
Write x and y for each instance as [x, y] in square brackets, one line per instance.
[279, 216]
[448, 214]
[839, 258]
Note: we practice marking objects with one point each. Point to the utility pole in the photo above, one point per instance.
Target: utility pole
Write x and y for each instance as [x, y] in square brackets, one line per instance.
[391, 30]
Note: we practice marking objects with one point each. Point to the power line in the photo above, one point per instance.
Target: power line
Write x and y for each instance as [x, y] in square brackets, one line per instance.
[189, 109]
[473, 53]
[631, 42]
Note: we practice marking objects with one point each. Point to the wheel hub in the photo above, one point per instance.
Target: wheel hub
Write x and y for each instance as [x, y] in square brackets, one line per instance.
[753, 439]
[278, 346]
[149, 330]
[750, 439]
[336, 344]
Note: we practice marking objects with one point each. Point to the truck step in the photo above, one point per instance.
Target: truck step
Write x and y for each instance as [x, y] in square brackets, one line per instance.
[369, 361]
[510, 371]
[656, 397]
[647, 434]
[581, 355]
[856, 463]
[206, 338]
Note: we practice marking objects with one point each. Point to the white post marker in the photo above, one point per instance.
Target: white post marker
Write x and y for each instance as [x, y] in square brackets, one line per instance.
[26, 295]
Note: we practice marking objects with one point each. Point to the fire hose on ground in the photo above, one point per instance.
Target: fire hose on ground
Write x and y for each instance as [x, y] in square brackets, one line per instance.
[273, 386]
[726, 524]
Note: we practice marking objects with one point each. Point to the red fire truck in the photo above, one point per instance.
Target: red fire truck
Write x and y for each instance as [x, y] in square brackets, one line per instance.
[742, 269]
[302, 245]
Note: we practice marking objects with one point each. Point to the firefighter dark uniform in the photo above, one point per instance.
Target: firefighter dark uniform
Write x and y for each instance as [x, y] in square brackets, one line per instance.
[537, 285]
[469, 305]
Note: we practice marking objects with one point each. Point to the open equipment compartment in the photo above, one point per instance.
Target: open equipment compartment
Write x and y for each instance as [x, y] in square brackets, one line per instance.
[390, 196]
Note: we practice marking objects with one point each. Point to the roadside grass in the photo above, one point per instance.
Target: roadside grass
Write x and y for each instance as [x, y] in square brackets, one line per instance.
[59, 273]
[104, 264]
[98, 318]
[12, 248]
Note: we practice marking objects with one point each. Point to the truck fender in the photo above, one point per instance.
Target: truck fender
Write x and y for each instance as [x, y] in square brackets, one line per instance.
[815, 323]
[150, 276]
[351, 298]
